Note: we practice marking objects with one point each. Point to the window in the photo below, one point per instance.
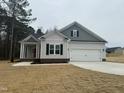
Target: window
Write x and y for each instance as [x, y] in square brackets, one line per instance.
[57, 51]
[54, 49]
[51, 49]
[75, 33]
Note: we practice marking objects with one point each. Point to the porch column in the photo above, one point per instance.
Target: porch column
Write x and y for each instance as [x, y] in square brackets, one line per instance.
[68, 50]
[22, 51]
[37, 50]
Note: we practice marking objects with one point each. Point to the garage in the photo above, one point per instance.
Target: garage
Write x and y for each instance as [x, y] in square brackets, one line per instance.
[85, 55]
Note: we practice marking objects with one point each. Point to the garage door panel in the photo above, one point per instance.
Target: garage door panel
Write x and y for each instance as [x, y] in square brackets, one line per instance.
[85, 55]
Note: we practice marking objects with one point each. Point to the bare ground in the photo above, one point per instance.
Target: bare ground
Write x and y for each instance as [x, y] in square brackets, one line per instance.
[57, 79]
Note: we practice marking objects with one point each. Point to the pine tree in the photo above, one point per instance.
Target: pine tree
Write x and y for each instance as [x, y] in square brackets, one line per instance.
[22, 18]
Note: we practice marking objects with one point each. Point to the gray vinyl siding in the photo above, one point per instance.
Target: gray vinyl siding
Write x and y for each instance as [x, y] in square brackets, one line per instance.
[83, 35]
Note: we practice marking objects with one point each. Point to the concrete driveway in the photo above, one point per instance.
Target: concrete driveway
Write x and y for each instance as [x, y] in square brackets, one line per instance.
[105, 67]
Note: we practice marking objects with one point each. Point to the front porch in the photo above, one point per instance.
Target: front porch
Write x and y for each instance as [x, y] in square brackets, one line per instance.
[30, 48]
[29, 51]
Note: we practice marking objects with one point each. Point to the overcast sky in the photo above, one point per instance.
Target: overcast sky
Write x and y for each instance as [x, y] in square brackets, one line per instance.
[104, 17]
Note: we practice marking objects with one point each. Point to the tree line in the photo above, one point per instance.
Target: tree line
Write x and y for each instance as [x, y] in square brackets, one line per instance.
[16, 9]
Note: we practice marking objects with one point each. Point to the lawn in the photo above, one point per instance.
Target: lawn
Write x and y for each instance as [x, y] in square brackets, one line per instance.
[119, 58]
[57, 79]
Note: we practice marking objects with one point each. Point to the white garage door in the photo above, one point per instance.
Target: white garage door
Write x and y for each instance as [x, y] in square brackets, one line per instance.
[85, 55]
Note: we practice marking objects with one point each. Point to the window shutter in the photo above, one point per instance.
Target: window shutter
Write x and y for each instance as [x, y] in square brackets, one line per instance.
[61, 47]
[71, 33]
[77, 33]
[47, 49]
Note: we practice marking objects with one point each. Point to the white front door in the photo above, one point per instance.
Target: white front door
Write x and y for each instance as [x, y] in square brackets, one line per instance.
[85, 55]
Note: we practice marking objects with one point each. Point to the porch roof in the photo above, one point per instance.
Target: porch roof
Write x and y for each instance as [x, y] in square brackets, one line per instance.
[30, 38]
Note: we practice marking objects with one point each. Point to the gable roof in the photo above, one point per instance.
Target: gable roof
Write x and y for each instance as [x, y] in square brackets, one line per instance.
[85, 36]
[38, 35]
[83, 29]
[51, 32]
[30, 38]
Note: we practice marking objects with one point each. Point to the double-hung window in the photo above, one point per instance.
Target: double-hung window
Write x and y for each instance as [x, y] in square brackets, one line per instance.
[74, 33]
[51, 49]
[57, 50]
[54, 49]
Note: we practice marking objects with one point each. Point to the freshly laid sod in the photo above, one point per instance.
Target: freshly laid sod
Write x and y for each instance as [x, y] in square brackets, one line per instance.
[57, 79]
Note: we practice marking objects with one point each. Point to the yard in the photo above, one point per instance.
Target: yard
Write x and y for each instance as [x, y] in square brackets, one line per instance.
[57, 79]
[116, 58]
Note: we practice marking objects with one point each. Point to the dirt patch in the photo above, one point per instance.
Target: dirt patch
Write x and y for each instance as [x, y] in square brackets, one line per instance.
[57, 79]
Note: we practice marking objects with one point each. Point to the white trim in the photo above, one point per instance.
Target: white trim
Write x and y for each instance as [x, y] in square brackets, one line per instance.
[54, 49]
[22, 50]
[75, 33]
[87, 42]
[27, 38]
[37, 51]
[68, 50]
[30, 43]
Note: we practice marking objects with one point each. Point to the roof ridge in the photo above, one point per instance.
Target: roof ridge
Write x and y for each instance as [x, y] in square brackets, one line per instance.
[91, 32]
[56, 31]
[85, 29]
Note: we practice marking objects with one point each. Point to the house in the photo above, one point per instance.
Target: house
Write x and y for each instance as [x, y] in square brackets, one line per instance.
[123, 51]
[115, 50]
[71, 43]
